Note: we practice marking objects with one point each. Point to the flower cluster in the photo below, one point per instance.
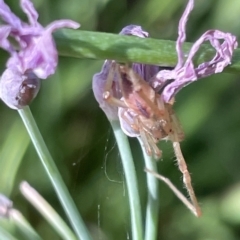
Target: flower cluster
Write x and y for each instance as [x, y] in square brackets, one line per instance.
[35, 56]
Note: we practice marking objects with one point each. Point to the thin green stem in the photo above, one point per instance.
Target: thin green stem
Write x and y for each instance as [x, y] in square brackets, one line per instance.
[47, 211]
[23, 225]
[54, 175]
[5, 235]
[131, 180]
[151, 226]
[96, 45]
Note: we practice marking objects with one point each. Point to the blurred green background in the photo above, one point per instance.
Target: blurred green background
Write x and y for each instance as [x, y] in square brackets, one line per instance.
[81, 141]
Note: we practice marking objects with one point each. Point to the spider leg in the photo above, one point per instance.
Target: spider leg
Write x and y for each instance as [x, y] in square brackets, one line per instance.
[137, 126]
[184, 200]
[176, 136]
[110, 77]
[165, 111]
[157, 152]
[136, 80]
[148, 142]
[107, 94]
[128, 121]
[186, 177]
[144, 138]
[145, 93]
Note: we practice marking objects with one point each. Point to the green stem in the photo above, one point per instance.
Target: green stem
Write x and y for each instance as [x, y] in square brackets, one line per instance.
[96, 45]
[47, 211]
[151, 226]
[131, 180]
[5, 235]
[23, 226]
[54, 175]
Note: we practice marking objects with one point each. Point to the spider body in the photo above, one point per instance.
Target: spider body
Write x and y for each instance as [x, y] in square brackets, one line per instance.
[142, 111]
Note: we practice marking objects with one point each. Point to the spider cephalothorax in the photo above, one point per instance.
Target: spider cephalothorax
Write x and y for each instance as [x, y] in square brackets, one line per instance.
[142, 112]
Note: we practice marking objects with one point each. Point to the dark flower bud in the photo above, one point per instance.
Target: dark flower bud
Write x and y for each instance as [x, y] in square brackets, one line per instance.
[28, 89]
[17, 90]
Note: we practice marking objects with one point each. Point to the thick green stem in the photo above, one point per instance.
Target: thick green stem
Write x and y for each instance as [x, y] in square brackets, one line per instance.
[96, 45]
[131, 180]
[54, 175]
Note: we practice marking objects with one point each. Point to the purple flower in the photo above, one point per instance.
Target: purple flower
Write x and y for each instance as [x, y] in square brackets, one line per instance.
[34, 58]
[185, 72]
[100, 79]
[5, 206]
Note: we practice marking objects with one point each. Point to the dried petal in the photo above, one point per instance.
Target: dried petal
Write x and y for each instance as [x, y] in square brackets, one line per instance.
[98, 86]
[185, 72]
[134, 30]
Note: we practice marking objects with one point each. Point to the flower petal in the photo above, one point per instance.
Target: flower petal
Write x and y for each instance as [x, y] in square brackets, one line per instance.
[8, 16]
[185, 72]
[29, 10]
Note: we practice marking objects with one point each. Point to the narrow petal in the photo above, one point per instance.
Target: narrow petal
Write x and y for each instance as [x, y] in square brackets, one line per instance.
[29, 10]
[98, 86]
[189, 73]
[4, 43]
[170, 82]
[182, 33]
[8, 16]
[64, 23]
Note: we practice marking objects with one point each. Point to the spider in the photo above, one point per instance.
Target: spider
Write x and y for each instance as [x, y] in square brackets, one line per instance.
[142, 112]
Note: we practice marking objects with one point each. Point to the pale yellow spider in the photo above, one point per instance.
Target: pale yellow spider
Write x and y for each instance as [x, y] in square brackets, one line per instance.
[142, 112]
